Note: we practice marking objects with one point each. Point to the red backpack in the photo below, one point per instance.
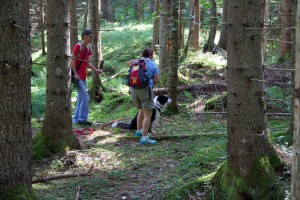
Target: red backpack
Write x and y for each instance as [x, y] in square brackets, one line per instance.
[138, 74]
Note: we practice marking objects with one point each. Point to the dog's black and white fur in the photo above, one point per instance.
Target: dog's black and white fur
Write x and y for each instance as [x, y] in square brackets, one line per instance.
[160, 103]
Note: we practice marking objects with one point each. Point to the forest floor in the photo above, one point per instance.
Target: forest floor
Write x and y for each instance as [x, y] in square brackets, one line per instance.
[121, 168]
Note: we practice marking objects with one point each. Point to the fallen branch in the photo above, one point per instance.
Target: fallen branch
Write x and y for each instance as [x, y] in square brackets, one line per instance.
[225, 113]
[114, 76]
[199, 88]
[62, 176]
[77, 193]
[174, 137]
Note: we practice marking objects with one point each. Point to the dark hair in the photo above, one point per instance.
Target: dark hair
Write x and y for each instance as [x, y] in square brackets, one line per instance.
[147, 53]
[86, 32]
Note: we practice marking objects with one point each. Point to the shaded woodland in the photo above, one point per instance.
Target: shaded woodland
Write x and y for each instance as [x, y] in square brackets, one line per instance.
[230, 68]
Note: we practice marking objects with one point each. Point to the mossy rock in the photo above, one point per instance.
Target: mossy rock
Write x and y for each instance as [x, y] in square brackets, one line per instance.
[217, 102]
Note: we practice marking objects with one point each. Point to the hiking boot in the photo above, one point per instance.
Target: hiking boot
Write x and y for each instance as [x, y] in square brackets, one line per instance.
[85, 123]
[137, 134]
[147, 141]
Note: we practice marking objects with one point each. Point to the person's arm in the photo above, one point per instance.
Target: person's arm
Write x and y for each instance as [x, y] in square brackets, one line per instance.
[72, 61]
[72, 64]
[98, 71]
[155, 79]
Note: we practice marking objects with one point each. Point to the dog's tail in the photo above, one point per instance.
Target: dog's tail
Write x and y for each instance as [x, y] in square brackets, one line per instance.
[121, 125]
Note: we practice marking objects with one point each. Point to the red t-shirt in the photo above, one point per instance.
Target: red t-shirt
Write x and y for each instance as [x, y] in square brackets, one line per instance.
[82, 69]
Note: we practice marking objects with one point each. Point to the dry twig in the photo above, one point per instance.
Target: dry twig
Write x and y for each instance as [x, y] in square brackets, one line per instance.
[62, 176]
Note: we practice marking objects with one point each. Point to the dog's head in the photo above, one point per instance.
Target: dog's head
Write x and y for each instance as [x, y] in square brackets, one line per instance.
[162, 101]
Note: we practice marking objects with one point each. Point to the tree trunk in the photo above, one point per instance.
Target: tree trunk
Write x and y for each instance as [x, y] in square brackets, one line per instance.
[293, 36]
[152, 6]
[163, 39]
[15, 101]
[94, 22]
[155, 33]
[107, 14]
[173, 56]
[181, 23]
[194, 42]
[249, 151]
[245, 122]
[42, 21]
[73, 23]
[191, 29]
[267, 23]
[57, 125]
[286, 30]
[85, 17]
[296, 138]
[139, 7]
[223, 36]
[210, 44]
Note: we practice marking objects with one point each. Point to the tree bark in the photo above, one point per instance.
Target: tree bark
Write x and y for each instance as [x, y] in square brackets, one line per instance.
[57, 125]
[152, 6]
[163, 39]
[194, 41]
[15, 101]
[85, 17]
[73, 23]
[94, 22]
[295, 192]
[210, 43]
[139, 6]
[173, 56]
[223, 36]
[107, 14]
[181, 23]
[245, 123]
[286, 30]
[191, 29]
[155, 27]
[249, 171]
[248, 142]
[42, 23]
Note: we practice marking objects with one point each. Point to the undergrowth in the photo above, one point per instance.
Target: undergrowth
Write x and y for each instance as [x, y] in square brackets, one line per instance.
[122, 169]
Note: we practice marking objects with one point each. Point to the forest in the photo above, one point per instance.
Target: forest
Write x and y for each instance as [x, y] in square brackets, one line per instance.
[231, 69]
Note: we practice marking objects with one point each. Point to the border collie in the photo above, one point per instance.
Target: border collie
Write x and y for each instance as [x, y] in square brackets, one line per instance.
[160, 103]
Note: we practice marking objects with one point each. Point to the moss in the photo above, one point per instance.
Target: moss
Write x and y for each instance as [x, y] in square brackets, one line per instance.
[39, 146]
[217, 102]
[61, 145]
[261, 183]
[20, 192]
[187, 189]
[43, 146]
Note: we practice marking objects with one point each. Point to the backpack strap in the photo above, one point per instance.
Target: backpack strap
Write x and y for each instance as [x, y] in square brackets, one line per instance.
[78, 66]
[81, 60]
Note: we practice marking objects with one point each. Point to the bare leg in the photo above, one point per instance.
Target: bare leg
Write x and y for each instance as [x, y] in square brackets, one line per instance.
[146, 121]
[140, 119]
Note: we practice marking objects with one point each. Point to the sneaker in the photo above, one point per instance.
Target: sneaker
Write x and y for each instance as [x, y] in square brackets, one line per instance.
[85, 123]
[137, 134]
[147, 141]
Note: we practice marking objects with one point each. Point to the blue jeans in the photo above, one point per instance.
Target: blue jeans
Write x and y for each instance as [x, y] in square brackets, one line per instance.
[83, 99]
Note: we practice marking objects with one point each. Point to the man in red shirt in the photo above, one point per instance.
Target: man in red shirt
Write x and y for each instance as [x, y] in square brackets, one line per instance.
[79, 64]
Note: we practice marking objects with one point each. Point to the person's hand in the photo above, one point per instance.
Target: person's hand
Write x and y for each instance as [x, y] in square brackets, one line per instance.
[98, 71]
[77, 77]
